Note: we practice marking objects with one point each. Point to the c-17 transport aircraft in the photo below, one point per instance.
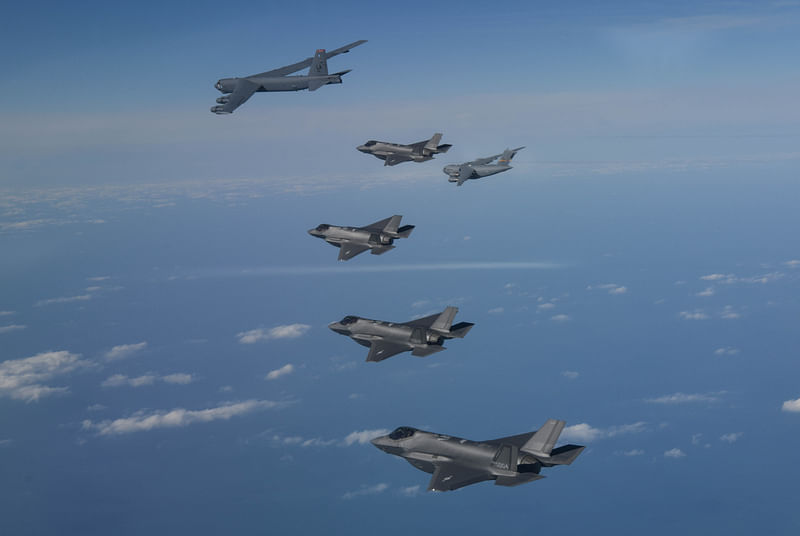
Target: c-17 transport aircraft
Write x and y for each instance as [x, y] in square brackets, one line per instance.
[456, 462]
[395, 153]
[376, 237]
[423, 337]
[482, 167]
[238, 90]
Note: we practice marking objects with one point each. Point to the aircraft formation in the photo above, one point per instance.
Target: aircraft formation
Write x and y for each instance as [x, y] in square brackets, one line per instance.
[454, 462]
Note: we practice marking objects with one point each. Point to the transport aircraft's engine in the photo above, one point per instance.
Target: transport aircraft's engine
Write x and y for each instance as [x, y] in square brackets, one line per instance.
[223, 100]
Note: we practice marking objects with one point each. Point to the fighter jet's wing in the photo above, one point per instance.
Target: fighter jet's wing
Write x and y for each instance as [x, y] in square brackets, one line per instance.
[348, 250]
[393, 159]
[293, 68]
[381, 350]
[450, 476]
[244, 90]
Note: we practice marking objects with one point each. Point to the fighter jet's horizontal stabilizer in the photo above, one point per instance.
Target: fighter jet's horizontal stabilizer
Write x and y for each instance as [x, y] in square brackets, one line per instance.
[377, 237]
[456, 462]
[422, 337]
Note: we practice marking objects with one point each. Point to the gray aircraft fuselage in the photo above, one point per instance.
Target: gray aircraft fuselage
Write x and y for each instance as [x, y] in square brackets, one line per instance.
[456, 462]
[376, 237]
[395, 153]
[478, 172]
[422, 337]
[280, 83]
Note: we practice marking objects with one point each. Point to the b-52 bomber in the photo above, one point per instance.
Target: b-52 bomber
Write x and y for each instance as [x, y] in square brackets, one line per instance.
[482, 167]
[456, 462]
[238, 90]
[423, 337]
[376, 237]
[395, 153]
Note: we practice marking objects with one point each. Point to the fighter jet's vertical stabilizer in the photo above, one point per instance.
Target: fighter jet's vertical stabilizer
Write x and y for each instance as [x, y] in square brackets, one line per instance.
[445, 319]
[542, 442]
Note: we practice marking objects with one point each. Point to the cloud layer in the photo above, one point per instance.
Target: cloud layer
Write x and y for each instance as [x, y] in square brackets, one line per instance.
[290, 331]
[123, 351]
[23, 379]
[143, 421]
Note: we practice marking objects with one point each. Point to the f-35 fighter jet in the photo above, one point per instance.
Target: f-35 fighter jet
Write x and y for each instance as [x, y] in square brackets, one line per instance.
[482, 167]
[423, 337]
[456, 462]
[394, 153]
[238, 90]
[376, 237]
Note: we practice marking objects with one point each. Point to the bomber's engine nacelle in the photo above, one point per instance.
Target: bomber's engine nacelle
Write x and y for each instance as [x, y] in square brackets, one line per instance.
[223, 100]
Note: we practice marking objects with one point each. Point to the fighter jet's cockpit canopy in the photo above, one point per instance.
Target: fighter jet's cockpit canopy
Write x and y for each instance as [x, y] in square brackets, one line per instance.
[370, 143]
[323, 227]
[402, 433]
[348, 320]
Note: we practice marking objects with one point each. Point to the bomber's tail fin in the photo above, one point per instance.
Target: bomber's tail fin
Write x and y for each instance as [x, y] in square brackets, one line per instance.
[319, 65]
[542, 442]
[508, 154]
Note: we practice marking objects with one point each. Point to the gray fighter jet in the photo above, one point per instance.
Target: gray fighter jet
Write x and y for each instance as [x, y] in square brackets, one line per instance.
[237, 90]
[456, 462]
[482, 167]
[394, 153]
[376, 237]
[423, 337]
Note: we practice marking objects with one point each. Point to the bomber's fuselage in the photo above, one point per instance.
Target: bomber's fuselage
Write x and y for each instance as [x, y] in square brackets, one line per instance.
[277, 83]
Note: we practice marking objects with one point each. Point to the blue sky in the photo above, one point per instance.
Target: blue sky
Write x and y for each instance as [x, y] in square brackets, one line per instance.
[165, 365]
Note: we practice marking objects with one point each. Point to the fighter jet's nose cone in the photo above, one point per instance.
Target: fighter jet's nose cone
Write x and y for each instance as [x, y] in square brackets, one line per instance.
[362, 148]
[313, 232]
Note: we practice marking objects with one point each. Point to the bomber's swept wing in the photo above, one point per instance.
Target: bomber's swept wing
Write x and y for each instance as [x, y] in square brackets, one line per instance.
[380, 350]
[293, 68]
[244, 90]
[450, 476]
[348, 250]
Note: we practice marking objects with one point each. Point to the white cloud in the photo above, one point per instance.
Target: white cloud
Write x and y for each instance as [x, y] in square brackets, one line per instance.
[618, 290]
[6, 442]
[709, 291]
[496, 311]
[410, 491]
[22, 379]
[7, 313]
[571, 374]
[179, 378]
[96, 407]
[363, 437]
[792, 406]
[716, 277]
[124, 351]
[560, 318]
[612, 288]
[547, 305]
[283, 371]
[12, 327]
[728, 350]
[143, 421]
[119, 380]
[291, 331]
[674, 453]
[729, 313]
[633, 452]
[793, 263]
[697, 314]
[99, 278]
[420, 303]
[683, 398]
[587, 433]
[467, 238]
[732, 437]
[64, 299]
[366, 490]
